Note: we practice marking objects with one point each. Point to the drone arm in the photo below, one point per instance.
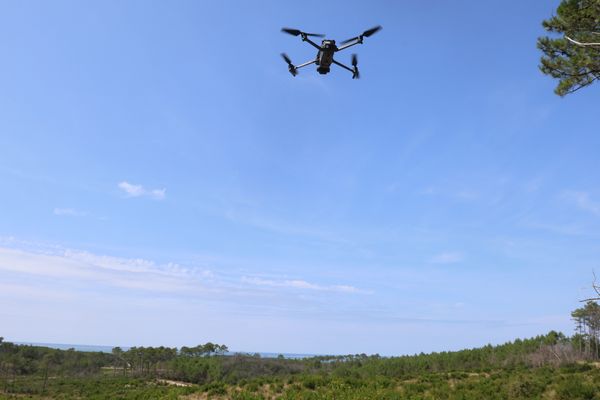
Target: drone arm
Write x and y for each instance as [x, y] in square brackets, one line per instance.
[305, 64]
[344, 47]
[306, 39]
[343, 66]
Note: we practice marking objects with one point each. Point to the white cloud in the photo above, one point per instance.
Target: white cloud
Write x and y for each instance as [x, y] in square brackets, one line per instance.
[132, 190]
[81, 267]
[33, 265]
[347, 289]
[69, 212]
[299, 284]
[583, 201]
[30, 291]
[450, 257]
[158, 193]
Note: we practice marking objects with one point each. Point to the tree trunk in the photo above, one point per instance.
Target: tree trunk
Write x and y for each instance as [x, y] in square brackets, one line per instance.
[45, 380]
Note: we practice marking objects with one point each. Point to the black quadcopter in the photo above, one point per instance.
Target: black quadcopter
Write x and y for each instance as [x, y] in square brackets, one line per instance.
[327, 49]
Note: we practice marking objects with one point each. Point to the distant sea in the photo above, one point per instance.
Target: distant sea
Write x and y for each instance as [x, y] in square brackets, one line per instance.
[108, 349]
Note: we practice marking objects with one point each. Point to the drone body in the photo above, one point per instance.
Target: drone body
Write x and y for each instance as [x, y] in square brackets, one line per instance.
[326, 50]
[325, 56]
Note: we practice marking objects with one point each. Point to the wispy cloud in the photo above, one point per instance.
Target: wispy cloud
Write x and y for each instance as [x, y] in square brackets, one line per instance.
[464, 194]
[132, 190]
[299, 284]
[286, 228]
[39, 263]
[69, 212]
[583, 201]
[533, 185]
[563, 229]
[81, 266]
[450, 257]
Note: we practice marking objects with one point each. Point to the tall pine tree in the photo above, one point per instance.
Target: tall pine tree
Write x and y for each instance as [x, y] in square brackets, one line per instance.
[572, 55]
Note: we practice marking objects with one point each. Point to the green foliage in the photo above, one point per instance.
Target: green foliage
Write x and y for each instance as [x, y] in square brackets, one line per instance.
[576, 388]
[587, 322]
[574, 65]
[525, 388]
[93, 387]
[204, 350]
[550, 366]
[29, 360]
[523, 369]
[215, 389]
[515, 384]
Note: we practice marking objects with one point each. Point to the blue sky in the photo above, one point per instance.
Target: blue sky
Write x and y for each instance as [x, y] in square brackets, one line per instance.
[165, 180]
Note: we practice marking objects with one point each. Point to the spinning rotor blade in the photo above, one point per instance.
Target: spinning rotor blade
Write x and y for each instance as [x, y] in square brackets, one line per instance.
[366, 33]
[287, 59]
[291, 66]
[371, 31]
[296, 32]
[356, 74]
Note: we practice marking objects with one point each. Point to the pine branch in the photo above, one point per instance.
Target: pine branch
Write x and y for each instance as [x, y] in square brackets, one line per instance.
[582, 44]
[591, 299]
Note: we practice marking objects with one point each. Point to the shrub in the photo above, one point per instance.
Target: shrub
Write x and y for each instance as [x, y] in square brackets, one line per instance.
[575, 388]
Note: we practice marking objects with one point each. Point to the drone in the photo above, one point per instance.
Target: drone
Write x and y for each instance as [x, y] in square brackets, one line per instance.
[326, 51]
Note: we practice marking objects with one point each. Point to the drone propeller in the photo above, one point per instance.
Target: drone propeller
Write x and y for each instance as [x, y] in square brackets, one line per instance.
[296, 32]
[366, 33]
[355, 65]
[287, 59]
[371, 31]
[291, 67]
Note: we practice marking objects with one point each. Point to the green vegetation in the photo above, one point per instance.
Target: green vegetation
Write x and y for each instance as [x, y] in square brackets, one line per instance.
[551, 366]
[573, 57]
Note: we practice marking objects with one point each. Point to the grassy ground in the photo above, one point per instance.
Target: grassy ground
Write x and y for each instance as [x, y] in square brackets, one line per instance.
[567, 383]
[100, 387]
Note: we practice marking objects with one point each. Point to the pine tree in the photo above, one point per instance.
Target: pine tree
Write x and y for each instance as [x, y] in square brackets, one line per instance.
[573, 55]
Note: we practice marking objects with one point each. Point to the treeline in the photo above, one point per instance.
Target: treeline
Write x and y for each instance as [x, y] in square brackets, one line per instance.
[201, 364]
[22, 360]
[208, 363]
[161, 361]
[552, 349]
[587, 328]
[26, 359]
